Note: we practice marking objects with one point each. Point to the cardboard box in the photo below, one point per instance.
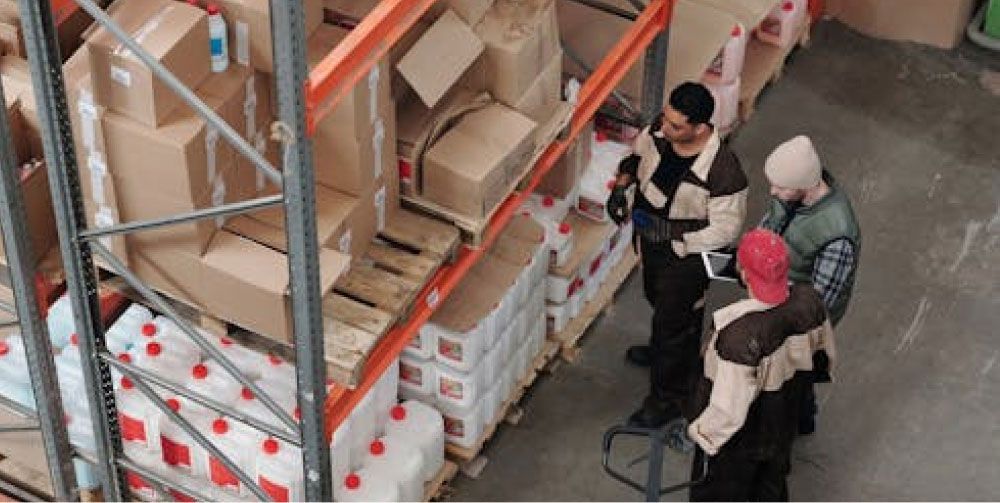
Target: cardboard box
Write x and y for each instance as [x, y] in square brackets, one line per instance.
[521, 39]
[436, 61]
[471, 11]
[174, 33]
[11, 37]
[237, 280]
[368, 100]
[38, 211]
[565, 175]
[539, 102]
[589, 238]
[468, 169]
[249, 34]
[352, 165]
[17, 130]
[940, 23]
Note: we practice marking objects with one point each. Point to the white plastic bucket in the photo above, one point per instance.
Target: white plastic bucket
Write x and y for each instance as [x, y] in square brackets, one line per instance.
[424, 426]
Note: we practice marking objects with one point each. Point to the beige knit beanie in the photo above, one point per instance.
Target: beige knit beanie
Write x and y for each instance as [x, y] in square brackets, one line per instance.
[794, 164]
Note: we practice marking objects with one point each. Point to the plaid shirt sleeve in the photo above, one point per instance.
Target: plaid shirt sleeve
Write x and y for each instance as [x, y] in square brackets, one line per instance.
[832, 268]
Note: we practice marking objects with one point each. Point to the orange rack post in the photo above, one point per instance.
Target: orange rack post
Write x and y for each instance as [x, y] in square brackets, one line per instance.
[62, 10]
[357, 53]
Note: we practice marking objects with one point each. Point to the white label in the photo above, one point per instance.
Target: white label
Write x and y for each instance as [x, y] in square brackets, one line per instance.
[373, 77]
[218, 199]
[242, 43]
[250, 108]
[98, 170]
[377, 139]
[380, 208]
[261, 145]
[345, 242]
[104, 218]
[121, 76]
[433, 298]
[211, 141]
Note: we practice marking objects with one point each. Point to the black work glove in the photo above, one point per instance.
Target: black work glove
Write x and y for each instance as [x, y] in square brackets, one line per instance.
[617, 205]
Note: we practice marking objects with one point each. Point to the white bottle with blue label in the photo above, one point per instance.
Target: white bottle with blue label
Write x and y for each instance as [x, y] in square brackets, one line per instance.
[218, 40]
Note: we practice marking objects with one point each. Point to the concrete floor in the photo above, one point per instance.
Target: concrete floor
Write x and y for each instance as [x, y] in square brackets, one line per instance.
[913, 134]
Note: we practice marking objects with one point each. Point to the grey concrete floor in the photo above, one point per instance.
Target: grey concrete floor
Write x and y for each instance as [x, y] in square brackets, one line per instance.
[913, 134]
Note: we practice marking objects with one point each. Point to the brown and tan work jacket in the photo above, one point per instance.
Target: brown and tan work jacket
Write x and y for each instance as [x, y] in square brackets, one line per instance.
[757, 365]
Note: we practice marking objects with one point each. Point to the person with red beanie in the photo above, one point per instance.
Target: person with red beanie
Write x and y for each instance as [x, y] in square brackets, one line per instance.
[757, 369]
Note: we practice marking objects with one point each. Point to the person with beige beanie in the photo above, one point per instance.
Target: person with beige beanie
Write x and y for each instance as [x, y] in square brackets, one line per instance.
[814, 216]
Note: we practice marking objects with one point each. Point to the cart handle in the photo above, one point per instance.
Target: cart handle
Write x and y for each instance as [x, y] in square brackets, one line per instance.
[657, 439]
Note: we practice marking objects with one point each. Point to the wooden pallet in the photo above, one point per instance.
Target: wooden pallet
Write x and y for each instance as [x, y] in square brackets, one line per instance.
[763, 65]
[378, 291]
[438, 489]
[471, 459]
[569, 338]
[473, 227]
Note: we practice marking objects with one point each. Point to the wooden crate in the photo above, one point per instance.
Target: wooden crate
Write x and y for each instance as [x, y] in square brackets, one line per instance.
[473, 228]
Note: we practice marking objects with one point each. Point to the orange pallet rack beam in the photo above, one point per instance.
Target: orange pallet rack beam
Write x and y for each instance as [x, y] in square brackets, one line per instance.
[62, 10]
[345, 66]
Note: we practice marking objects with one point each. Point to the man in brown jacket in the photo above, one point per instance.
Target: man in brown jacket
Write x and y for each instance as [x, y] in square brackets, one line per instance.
[757, 370]
[690, 197]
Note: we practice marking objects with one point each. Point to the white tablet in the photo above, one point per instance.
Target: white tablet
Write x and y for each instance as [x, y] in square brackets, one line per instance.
[716, 266]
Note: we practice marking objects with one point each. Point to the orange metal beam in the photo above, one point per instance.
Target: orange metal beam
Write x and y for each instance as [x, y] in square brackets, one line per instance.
[354, 56]
[606, 76]
[62, 10]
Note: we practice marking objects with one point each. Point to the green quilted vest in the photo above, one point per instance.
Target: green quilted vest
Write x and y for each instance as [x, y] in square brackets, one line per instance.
[811, 229]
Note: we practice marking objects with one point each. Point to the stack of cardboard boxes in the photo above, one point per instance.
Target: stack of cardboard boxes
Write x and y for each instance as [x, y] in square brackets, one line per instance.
[474, 80]
[144, 154]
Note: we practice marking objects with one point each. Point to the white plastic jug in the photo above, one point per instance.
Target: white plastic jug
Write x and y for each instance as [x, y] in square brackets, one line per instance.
[138, 418]
[424, 426]
[124, 332]
[245, 359]
[385, 393]
[165, 359]
[81, 434]
[279, 470]
[457, 390]
[274, 367]
[423, 343]
[492, 365]
[492, 401]
[164, 331]
[59, 321]
[363, 427]
[557, 316]
[236, 444]
[70, 376]
[140, 487]
[508, 341]
[402, 461]
[367, 485]
[727, 104]
[178, 450]
[248, 403]
[562, 245]
[209, 379]
[728, 64]
[417, 378]
[340, 451]
[15, 383]
[460, 350]
[595, 188]
[781, 26]
[464, 428]
[558, 288]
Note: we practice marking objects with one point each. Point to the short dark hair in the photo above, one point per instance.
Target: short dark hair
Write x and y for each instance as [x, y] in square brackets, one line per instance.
[694, 101]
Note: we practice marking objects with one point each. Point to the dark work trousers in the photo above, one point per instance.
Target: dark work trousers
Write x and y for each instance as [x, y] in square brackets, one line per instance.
[741, 476]
[673, 286]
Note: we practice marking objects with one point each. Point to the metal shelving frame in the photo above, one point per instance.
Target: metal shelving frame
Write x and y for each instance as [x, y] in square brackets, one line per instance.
[303, 98]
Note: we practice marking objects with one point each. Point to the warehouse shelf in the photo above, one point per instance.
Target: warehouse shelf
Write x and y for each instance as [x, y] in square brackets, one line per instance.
[648, 25]
[303, 98]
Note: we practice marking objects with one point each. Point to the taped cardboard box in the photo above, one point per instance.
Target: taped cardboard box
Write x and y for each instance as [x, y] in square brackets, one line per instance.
[12, 107]
[564, 177]
[589, 238]
[249, 35]
[468, 168]
[539, 102]
[237, 280]
[442, 54]
[11, 36]
[369, 99]
[174, 33]
[940, 23]
[521, 38]
[346, 163]
[38, 212]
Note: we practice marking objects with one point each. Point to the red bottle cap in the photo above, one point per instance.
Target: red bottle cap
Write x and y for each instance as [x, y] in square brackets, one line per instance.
[127, 383]
[199, 371]
[611, 184]
[246, 394]
[154, 349]
[212, 9]
[297, 414]
[737, 31]
[125, 358]
[352, 481]
[564, 228]
[4, 348]
[601, 136]
[225, 341]
[788, 7]
[398, 413]
[273, 359]
[220, 426]
[405, 169]
[377, 448]
[270, 446]
[148, 329]
[548, 201]
[74, 339]
[174, 404]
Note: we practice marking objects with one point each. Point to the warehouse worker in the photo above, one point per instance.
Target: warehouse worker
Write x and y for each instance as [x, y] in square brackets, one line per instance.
[690, 197]
[815, 217]
[757, 365]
